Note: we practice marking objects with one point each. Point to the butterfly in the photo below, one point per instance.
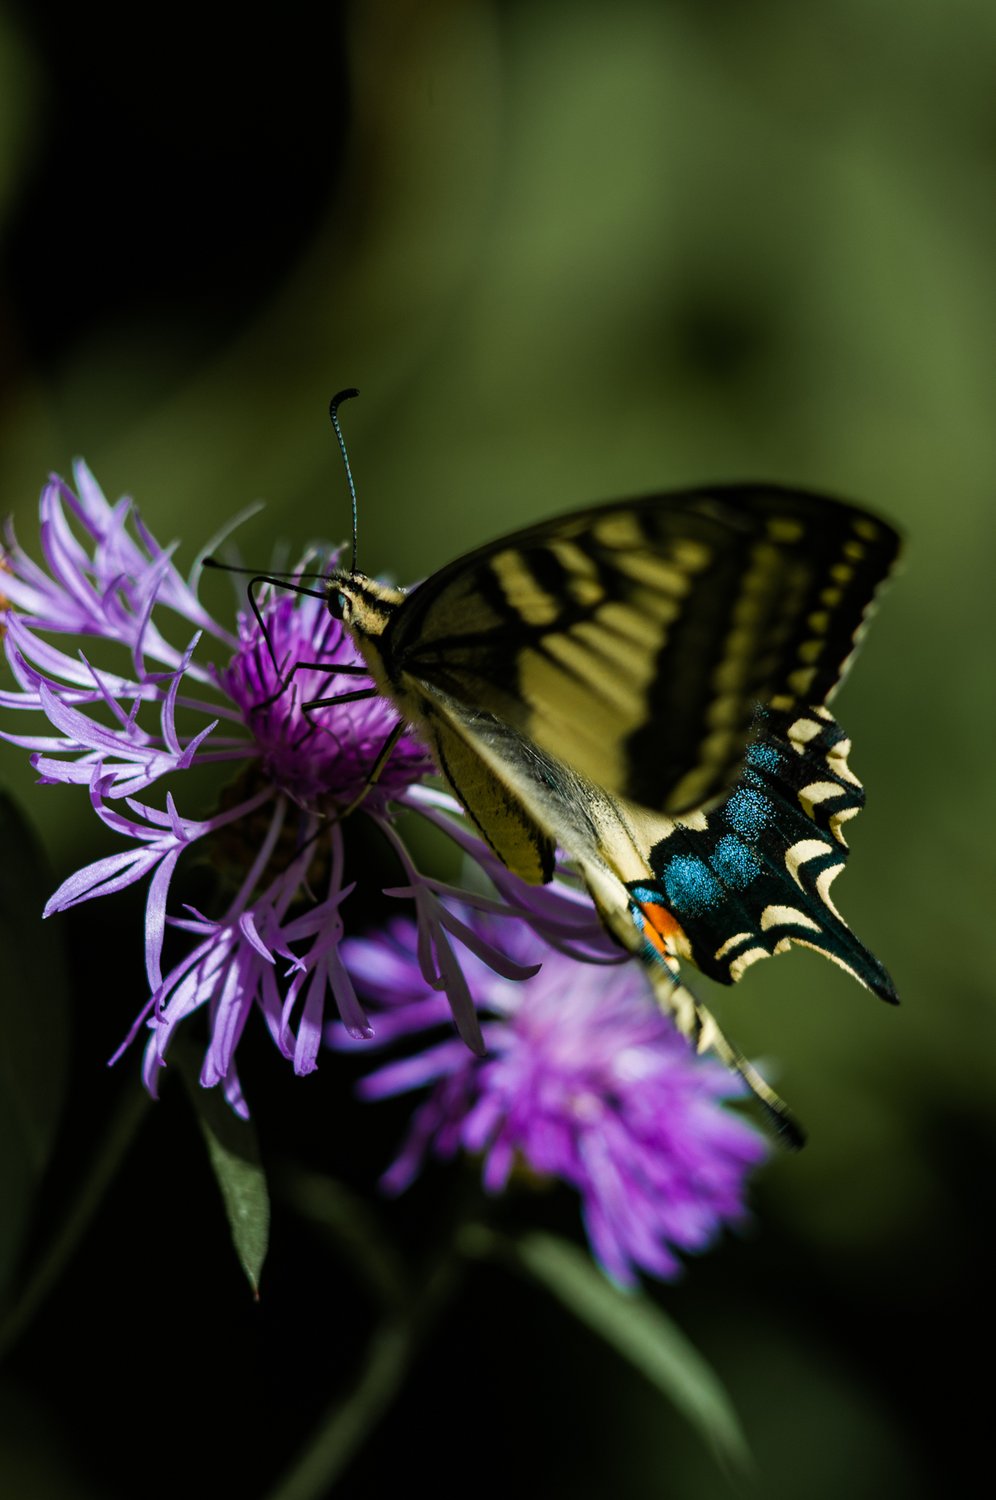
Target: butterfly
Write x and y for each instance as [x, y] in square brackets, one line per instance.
[643, 685]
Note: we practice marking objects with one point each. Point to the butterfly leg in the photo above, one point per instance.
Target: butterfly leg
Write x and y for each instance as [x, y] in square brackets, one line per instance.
[376, 770]
[355, 697]
[340, 669]
[383, 754]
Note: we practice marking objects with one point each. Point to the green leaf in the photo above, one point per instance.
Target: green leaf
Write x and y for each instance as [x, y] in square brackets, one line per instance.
[637, 1329]
[34, 1028]
[233, 1151]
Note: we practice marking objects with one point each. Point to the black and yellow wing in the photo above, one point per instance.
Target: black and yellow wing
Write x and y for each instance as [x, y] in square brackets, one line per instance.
[634, 642]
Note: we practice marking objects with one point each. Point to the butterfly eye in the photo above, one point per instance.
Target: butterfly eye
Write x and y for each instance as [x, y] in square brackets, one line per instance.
[337, 604]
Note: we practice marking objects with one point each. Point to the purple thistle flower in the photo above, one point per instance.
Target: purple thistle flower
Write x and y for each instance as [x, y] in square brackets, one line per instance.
[277, 944]
[585, 1080]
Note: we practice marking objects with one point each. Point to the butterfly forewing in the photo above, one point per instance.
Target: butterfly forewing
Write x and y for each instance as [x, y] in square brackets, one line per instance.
[634, 641]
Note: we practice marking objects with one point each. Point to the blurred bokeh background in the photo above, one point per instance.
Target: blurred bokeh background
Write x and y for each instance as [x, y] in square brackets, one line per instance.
[567, 251]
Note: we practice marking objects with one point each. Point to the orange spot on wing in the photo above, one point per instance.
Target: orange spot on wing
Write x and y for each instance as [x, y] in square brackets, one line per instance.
[660, 927]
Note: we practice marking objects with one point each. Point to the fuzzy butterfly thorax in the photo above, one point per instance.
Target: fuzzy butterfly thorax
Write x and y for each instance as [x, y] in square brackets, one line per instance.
[643, 684]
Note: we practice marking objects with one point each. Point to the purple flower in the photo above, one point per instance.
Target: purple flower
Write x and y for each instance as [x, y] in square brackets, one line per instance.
[585, 1080]
[188, 693]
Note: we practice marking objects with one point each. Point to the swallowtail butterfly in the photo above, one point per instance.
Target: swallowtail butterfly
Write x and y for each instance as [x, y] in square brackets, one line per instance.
[644, 684]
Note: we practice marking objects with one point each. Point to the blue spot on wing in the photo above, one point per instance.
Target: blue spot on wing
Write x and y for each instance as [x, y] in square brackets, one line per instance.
[691, 887]
[748, 812]
[734, 863]
[763, 757]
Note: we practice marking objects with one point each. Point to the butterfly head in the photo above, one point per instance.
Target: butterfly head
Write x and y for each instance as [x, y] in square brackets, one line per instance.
[362, 604]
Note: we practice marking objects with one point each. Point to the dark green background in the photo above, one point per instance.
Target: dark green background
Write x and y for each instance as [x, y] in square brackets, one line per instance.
[568, 252]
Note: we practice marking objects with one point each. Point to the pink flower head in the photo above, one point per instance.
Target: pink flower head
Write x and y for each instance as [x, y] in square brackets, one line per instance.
[584, 1081]
[188, 693]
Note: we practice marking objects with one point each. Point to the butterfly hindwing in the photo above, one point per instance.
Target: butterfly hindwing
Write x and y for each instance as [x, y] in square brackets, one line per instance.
[634, 641]
[753, 874]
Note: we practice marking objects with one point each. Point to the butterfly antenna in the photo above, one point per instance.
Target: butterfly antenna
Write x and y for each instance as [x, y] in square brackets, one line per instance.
[334, 405]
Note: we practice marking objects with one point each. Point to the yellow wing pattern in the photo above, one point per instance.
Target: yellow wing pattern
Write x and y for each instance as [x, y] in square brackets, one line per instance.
[634, 642]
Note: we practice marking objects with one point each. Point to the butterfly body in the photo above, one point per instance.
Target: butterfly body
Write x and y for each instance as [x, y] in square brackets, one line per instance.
[643, 685]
